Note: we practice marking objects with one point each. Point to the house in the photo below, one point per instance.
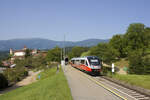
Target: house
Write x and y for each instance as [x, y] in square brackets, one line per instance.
[6, 63]
[35, 51]
[20, 54]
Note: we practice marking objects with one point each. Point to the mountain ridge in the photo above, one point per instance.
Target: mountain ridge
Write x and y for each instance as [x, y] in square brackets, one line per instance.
[40, 43]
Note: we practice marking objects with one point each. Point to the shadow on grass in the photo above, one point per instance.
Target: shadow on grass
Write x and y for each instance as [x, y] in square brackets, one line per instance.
[10, 88]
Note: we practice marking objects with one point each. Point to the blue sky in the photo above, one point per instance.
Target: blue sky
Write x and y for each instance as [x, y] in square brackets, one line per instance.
[78, 19]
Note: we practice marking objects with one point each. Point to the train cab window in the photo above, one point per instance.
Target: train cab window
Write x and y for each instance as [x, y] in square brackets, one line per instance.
[82, 62]
[86, 63]
[94, 62]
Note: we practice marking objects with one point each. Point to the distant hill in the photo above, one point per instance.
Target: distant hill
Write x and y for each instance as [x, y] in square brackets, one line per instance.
[39, 43]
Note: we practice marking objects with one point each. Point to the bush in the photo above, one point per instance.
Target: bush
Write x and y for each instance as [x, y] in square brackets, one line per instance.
[16, 74]
[146, 63]
[139, 63]
[135, 63]
[54, 54]
[3, 81]
[10, 75]
[106, 70]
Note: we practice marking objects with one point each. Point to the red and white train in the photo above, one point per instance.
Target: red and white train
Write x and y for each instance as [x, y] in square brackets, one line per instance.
[90, 64]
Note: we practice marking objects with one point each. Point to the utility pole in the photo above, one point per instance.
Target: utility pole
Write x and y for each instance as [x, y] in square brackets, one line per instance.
[63, 52]
[64, 48]
[61, 55]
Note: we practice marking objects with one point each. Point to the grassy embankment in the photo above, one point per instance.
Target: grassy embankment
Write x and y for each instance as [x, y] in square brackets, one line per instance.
[137, 80]
[51, 86]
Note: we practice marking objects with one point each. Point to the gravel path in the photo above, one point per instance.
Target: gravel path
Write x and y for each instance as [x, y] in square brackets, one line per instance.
[28, 80]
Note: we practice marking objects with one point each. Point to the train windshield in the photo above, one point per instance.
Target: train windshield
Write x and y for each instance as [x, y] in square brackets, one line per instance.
[94, 61]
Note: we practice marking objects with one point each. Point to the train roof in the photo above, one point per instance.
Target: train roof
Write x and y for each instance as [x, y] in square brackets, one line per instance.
[85, 57]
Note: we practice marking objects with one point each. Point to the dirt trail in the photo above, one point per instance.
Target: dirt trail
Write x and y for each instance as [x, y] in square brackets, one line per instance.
[28, 80]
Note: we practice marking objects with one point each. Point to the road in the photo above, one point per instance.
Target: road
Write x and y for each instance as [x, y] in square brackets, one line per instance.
[84, 89]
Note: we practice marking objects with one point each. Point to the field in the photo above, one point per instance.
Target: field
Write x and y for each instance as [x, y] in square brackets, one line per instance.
[50, 86]
[137, 80]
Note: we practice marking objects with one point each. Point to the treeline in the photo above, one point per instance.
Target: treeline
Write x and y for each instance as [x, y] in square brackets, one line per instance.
[4, 55]
[133, 46]
[56, 54]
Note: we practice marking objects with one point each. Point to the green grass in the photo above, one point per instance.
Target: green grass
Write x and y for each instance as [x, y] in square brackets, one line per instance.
[51, 86]
[122, 63]
[137, 80]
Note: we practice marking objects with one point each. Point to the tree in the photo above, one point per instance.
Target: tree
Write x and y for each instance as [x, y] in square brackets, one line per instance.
[135, 62]
[54, 55]
[137, 39]
[87, 53]
[3, 81]
[27, 53]
[77, 51]
[1, 63]
[146, 63]
[117, 42]
[38, 62]
[104, 52]
[146, 38]
[134, 37]
[139, 64]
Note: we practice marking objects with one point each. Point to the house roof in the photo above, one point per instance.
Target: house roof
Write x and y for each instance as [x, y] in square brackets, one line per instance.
[19, 51]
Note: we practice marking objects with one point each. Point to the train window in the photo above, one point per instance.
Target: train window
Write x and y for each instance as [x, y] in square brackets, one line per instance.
[72, 61]
[82, 62]
[77, 62]
[86, 63]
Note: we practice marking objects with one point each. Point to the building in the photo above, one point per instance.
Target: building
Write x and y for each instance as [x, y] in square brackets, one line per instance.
[20, 54]
[35, 51]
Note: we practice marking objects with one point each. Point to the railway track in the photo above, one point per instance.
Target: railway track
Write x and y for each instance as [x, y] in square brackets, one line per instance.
[118, 90]
[126, 91]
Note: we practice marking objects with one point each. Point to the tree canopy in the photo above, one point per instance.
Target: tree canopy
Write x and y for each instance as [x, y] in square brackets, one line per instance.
[77, 51]
[117, 43]
[54, 54]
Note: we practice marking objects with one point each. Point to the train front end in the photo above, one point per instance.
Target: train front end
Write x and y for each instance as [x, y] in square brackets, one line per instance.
[95, 64]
